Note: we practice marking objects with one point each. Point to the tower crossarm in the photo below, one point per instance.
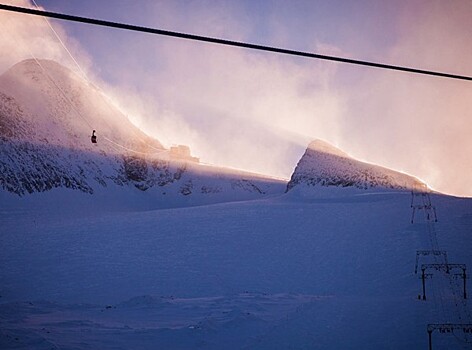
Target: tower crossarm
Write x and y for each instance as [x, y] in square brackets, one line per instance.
[428, 253]
[450, 327]
[443, 267]
[446, 328]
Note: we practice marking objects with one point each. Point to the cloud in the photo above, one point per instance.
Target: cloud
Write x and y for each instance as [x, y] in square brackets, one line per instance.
[419, 124]
[258, 111]
[25, 36]
[234, 107]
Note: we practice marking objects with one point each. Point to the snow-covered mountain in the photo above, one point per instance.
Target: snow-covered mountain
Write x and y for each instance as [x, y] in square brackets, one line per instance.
[47, 114]
[324, 165]
[85, 272]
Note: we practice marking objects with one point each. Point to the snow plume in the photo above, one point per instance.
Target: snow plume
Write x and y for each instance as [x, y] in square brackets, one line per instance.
[224, 103]
[233, 107]
[25, 36]
[240, 109]
[419, 124]
[258, 111]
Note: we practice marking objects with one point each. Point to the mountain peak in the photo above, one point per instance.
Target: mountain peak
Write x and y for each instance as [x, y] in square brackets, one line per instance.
[62, 107]
[324, 165]
[42, 72]
[325, 147]
[36, 65]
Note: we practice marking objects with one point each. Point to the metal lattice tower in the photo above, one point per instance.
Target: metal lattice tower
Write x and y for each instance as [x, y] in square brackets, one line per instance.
[434, 253]
[445, 328]
[453, 299]
[445, 268]
[420, 200]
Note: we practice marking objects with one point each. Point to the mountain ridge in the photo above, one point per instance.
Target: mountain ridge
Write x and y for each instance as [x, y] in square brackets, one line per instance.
[46, 117]
[47, 113]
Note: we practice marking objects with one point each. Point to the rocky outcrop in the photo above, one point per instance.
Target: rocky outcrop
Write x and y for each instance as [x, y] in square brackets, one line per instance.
[324, 165]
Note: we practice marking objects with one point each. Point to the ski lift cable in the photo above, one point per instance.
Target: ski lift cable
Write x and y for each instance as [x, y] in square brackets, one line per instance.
[457, 310]
[67, 100]
[225, 42]
[436, 288]
[132, 150]
[60, 90]
[82, 72]
[461, 307]
[51, 80]
[80, 114]
[84, 75]
[438, 285]
[466, 341]
[453, 283]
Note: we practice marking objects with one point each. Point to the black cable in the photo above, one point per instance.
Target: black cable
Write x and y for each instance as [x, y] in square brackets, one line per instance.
[226, 42]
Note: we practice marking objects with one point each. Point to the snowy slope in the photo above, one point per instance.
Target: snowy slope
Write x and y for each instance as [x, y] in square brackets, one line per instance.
[106, 248]
[61, 108]
[268, 274]
[324, 165]
[47, 114]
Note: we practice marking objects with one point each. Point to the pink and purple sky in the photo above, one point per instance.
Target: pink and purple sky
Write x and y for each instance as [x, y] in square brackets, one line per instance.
[258, 111]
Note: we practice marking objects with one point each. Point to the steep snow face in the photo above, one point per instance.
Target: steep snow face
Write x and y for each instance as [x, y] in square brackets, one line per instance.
[324, 165]
[60, 108]
[47, 114]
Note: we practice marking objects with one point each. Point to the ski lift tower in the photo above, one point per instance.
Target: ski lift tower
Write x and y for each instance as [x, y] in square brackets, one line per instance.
[421, 200]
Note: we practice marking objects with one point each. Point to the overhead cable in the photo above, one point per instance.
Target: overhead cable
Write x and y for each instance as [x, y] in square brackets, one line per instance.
[229, 42]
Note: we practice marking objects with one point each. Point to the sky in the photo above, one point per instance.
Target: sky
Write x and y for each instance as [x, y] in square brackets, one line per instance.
[258, 111]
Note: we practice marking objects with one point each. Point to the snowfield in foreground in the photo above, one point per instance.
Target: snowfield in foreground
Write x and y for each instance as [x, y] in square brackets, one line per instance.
[277, 273]
[124, 244]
